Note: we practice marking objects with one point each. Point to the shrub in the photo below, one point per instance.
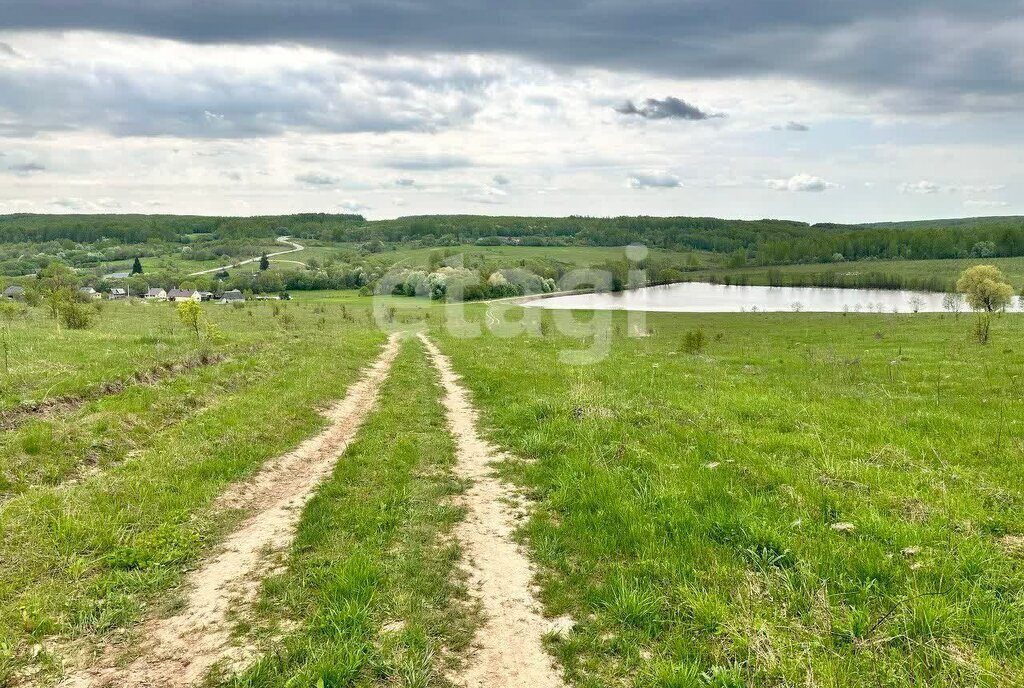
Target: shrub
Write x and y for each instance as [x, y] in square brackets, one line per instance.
[74, 315]
[693, 341]
[66, 309]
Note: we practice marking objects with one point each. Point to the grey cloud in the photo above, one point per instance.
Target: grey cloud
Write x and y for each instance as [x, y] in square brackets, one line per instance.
[501, 180]
[869, 44]
[212, 101]
[26, 168]
[669, 108]
[317, 179]
[429, 162]
[792, 126]
[8, 50]
[655, 180]
[405, 182]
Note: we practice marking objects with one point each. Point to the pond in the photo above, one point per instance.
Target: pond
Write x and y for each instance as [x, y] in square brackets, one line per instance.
[701, 297]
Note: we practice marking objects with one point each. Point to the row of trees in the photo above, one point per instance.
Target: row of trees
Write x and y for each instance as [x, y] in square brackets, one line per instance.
[763, 242]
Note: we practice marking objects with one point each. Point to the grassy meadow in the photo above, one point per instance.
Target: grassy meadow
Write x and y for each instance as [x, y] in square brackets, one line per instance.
[946, 270]
[732, 500]
[103, 506]
[802, 500]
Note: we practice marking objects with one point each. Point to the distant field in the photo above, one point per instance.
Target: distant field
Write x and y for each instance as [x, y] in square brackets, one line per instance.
[577, 256]
[946, 270]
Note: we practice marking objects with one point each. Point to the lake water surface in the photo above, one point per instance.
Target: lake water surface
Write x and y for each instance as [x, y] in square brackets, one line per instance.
[700, 297]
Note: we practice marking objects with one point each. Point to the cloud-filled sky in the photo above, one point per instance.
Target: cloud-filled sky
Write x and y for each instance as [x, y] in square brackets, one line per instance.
[820, 111]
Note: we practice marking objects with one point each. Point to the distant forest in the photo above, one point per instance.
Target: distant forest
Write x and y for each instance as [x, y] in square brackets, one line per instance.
[758, 242]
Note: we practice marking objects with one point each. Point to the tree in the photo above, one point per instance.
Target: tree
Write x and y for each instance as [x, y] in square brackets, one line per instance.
[137, 266]
[190, 314]
[55, 277]
[264, 262]
[984, 288]
[67, 310]
[986, 292]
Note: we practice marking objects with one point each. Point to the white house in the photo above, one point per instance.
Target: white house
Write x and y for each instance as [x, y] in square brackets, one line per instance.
[118, 293]
[90, 293]
[184, 295]
[156, 294]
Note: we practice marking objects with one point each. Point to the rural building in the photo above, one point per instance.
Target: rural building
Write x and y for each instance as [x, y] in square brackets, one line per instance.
[14, 292]
[233, 296]
[118, 293]
[156, 294]
[206, 295]
[89, 293]
[117, 276]
[183, 295]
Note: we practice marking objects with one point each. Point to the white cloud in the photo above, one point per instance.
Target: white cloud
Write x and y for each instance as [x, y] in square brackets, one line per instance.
[801, 182]
[985, 203]
[921, 187]
[352, 206]
[317, 179]
[489, 195]
[928, 187]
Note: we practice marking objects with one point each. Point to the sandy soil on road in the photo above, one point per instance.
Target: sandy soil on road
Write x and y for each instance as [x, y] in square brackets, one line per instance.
[508, 651]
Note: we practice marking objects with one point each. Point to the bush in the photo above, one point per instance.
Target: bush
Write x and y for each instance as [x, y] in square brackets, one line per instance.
[74, 315]
[694, 341]
[67, 310]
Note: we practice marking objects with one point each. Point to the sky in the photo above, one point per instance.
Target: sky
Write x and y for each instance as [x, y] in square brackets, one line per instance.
[815, 110]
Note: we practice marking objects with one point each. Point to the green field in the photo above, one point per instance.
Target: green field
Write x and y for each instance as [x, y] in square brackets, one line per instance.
[781, 499]
[945, 271]
[688, 505]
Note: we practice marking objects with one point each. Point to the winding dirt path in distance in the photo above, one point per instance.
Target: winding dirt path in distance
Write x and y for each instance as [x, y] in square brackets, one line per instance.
[508, 651]
[295, 248]
[179, 651]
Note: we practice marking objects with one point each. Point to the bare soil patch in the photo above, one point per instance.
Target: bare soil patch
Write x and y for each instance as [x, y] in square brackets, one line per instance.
[508, 648]
[179, 651]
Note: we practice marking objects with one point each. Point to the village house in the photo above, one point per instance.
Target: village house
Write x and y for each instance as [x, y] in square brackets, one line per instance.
[118, 293]
[183, 295]
[232, 296]
[156, 294]
[89, 293]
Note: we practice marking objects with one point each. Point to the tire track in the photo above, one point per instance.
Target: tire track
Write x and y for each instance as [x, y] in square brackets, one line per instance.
[179, 651]
[508, 648]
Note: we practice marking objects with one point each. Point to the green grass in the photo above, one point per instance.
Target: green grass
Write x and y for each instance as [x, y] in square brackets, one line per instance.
[81, 558]
[690, 493]
[48, 449]
[48, 361]
[687, 504]
[371, 579]
[573, 256]
[946, 270]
